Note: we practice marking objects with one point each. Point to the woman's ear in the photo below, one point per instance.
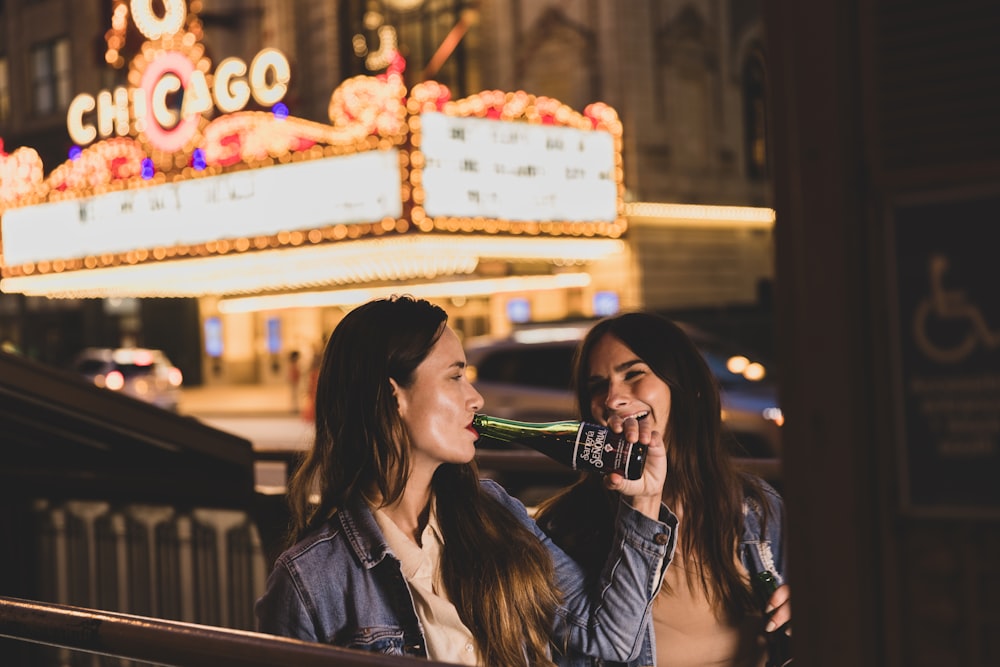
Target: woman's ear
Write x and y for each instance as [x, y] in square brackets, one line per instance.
[400, 395]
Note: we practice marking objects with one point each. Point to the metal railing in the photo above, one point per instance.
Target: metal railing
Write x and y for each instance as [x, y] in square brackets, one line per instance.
[198, 565]
[171, 643]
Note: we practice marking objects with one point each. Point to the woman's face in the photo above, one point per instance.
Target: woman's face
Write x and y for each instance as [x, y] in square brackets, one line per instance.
[620, 383]
[438, 406]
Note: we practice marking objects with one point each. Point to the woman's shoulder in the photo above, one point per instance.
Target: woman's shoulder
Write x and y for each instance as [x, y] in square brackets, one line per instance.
[772, 494]
[320, 539]
[760, 498]
[495, 490]
[347, 534]
[492, 487]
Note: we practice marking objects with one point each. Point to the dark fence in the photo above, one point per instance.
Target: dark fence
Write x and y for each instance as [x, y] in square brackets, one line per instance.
[110, 503]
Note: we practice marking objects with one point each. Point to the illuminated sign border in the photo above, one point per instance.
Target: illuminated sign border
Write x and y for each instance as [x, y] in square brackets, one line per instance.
[431, 96]
[189, 214]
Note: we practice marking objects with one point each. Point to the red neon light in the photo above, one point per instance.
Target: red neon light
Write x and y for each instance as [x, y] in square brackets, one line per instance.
[176, 138]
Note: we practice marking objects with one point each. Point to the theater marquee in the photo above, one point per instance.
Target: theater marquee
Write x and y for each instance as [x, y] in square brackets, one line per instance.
[218, 190]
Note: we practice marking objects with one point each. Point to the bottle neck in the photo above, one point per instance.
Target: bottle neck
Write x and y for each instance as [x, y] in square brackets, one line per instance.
[488, 420]
[511, 429]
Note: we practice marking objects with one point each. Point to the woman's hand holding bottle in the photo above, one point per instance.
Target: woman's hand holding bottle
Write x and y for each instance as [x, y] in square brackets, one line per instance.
[777, 601]
[779, 607]
[645, 493]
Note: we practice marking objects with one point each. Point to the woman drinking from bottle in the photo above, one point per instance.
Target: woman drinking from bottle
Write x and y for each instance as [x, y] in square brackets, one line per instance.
[643, 366]
[399, 548]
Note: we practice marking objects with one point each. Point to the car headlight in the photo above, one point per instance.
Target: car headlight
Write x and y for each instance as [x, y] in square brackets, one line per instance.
[114, 380]
[774, 415]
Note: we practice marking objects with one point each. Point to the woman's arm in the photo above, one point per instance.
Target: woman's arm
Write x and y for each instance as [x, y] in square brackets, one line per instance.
[780, 602]
[644, 494]
[607, 618]
[281, 611]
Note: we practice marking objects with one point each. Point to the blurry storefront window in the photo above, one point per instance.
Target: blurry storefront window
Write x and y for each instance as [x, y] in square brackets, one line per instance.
[439, 39]
[4, 90]
[50, 75]
[559, 60]
[755, 118]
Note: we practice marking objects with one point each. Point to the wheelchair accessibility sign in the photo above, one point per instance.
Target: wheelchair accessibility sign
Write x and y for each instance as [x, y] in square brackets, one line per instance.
[945, 279]
[944, 306]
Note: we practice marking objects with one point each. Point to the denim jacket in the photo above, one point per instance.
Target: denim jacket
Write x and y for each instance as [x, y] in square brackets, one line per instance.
[759, 549]
[342, 585]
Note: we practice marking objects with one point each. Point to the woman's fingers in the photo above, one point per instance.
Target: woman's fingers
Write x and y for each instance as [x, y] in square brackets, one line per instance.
[780, 609]
[644, 493]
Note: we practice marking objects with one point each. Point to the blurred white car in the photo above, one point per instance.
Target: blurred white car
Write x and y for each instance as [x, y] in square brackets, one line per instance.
[141, 373]
[528, 377]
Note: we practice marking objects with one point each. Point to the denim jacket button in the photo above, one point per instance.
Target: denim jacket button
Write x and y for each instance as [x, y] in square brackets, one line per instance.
[661, 538]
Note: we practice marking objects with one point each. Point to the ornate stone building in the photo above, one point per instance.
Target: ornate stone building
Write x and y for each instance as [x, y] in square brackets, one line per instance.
[686, 76]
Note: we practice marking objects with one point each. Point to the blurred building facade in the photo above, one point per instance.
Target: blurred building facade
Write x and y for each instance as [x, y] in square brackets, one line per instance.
[687, 79]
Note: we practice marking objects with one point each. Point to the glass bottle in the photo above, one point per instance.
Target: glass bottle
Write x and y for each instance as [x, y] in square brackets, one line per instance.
[779, 650]
[579, 445]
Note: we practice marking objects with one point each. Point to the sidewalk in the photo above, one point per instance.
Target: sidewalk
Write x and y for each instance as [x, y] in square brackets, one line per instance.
[260, 413]
[243, 400]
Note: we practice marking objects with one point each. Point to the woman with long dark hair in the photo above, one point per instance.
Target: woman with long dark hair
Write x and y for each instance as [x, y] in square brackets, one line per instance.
[400, 548]
[643, 366]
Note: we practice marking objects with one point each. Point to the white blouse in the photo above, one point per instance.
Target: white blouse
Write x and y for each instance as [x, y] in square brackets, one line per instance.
[447, 637]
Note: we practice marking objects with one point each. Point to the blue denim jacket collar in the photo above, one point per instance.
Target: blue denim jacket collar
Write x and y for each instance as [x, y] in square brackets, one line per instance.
[363, 534]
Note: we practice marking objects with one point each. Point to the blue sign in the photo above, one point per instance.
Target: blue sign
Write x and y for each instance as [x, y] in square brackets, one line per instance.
[213, 337]
[518, 310]
[606, 304]
[273, 335]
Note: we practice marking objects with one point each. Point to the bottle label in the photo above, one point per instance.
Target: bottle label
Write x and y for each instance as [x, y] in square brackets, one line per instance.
[588, 452]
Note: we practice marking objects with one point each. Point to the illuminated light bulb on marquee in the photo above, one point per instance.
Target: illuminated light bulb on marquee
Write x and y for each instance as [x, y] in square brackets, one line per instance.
[20, 174]
[169, 63]
[198, 159]
[153, 27]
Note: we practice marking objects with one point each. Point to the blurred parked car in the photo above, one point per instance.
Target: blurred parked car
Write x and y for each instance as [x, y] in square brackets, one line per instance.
[527, 377]
[142, 373]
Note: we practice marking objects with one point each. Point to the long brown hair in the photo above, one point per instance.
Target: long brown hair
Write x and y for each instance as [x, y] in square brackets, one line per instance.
[701, 474]
[497, 573]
